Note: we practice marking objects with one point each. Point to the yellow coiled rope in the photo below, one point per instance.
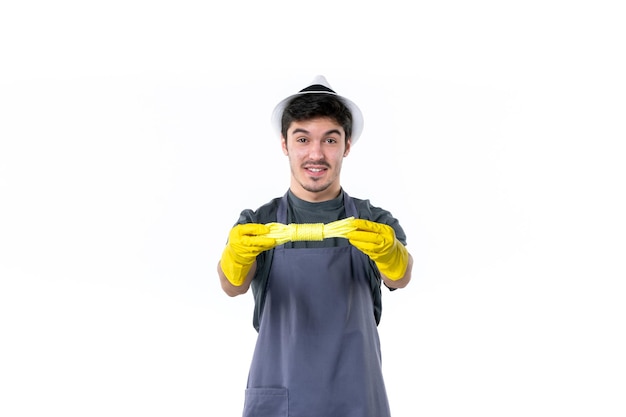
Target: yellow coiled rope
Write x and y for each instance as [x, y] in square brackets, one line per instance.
[284, 233]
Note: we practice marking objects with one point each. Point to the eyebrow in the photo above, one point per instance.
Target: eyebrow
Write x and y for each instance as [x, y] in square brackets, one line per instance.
[332, 131]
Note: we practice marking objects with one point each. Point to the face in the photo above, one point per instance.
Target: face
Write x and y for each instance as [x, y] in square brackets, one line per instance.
[316, 149]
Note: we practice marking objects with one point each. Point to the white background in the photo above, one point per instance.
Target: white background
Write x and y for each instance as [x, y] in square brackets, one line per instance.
[133, 133]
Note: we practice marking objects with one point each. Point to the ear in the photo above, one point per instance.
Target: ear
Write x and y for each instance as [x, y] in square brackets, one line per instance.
[283, 144]
[348, 147]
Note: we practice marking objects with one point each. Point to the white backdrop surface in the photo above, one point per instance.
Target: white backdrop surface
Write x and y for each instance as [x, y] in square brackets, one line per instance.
[133, 133]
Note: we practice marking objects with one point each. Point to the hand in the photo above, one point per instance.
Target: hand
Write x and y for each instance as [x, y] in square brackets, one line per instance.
[245, 243]
[378, 241]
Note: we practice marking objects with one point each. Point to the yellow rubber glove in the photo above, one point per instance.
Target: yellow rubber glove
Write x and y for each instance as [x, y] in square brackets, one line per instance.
[245, 242]
[378, 241]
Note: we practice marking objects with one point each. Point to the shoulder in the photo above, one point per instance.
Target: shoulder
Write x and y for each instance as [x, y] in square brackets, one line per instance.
[369, 211]
[264, 214]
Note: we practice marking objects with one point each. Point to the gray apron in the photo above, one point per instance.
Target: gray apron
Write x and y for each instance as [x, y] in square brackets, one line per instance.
[318, 351]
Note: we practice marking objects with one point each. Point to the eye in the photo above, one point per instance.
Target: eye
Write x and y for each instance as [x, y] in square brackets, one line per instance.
[301, 139]
[331, 140]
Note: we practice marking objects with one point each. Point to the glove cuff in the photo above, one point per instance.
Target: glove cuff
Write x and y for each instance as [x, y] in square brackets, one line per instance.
[394, 265]
[234, 270]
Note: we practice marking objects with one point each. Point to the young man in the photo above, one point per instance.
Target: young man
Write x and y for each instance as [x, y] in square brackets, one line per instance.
[315, 259]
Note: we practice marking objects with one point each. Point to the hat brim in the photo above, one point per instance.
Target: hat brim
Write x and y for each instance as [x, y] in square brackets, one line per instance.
[357, 116]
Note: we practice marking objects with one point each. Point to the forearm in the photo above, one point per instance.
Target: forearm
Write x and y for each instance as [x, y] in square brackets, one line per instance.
[401, 282]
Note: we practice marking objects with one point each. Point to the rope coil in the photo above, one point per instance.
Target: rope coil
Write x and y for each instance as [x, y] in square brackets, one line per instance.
[292, 232]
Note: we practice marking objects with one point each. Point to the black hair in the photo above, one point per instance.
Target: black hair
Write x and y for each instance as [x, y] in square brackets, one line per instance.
[311, 105]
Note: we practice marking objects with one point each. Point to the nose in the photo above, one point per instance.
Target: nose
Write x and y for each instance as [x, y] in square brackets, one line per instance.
[315, 151]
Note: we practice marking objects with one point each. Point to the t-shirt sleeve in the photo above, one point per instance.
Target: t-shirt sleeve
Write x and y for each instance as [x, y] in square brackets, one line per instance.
[379, 215]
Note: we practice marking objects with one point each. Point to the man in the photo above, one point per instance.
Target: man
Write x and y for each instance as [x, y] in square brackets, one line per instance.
[315, 259]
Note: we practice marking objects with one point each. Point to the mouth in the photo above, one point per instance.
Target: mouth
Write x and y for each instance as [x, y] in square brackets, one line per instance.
[315, 170]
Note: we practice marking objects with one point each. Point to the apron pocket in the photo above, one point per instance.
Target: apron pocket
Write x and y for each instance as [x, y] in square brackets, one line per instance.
[266, 402]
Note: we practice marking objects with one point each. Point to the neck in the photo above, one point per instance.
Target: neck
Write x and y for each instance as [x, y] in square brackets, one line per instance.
[316, 196]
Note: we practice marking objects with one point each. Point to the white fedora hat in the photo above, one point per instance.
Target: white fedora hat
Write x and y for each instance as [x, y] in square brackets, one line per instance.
[320, 85]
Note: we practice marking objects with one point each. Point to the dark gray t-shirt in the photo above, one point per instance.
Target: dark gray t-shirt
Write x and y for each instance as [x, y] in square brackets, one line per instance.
[300, 211]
